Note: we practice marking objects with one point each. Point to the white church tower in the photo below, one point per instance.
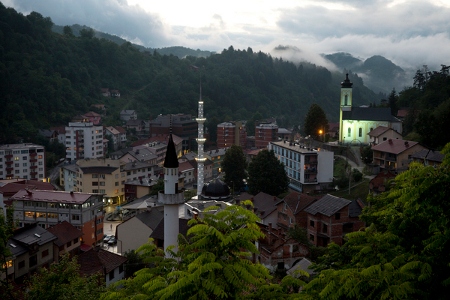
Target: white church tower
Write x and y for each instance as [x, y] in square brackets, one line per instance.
[200, 141]
[345, 105]
[172, 197]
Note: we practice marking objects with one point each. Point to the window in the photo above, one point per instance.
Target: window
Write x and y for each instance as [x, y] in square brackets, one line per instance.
[311, 223]
[349, 132]
[32, 261]
[45, 253]
[111, 275]
[75, 217]
[75, 241]
[94, 183]
[360, 132]
[116, 183]
[337, 216]
[311, 237]
[345, 100]
[102, 183]
[21, 264]
[69, 244]
[324, 228]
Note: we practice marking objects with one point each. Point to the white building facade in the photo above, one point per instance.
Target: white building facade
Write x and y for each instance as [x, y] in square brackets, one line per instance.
[307, 169]
[83, 140]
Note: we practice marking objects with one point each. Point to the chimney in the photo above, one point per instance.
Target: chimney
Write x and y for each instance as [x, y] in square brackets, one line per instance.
[390, 141]
[406, 144]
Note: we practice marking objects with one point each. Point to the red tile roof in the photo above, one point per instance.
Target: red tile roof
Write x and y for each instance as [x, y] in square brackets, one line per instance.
[378, 131]
[394, 146]
[51, 196]
[13, 187]
[65, 232]
[299, 201]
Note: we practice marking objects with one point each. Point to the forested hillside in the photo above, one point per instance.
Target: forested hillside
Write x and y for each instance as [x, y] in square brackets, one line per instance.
[47, 78]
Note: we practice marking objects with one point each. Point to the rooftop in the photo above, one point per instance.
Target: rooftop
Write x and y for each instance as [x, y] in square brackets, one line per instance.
[52, 196]
[394, 146]
[327, 205]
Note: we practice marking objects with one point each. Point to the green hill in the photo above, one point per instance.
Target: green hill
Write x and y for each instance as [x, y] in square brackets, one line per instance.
[46, 78]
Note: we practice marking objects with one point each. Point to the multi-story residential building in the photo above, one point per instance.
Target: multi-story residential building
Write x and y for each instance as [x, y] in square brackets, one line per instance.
[231, 133]
[307, 169]
[265, 133]
[136, 170]
[331, 217]
[181, 125]
[31, 248]
[216, 156]
[25, 161]
[114, 135]
[83, 140]
[48, 208]
[395, 154]
[101, 176]
[162, 139]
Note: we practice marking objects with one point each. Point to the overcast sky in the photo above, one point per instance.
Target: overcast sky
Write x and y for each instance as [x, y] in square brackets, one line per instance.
[410, 33]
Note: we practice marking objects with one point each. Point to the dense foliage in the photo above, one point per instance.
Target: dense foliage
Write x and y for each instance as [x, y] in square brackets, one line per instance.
[46, 78]
[316, 123]
[214, 263]
[234, 166]
[404, 253]
[428, 104]
[62, 280]
[266, 174]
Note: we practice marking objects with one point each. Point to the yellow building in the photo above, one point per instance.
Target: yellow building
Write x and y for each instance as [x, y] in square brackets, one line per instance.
[102, 176]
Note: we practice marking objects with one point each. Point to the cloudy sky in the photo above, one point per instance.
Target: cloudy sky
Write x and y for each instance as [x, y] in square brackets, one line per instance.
[411, 33]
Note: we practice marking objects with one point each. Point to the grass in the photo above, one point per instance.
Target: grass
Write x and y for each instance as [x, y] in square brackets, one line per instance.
[358, 190]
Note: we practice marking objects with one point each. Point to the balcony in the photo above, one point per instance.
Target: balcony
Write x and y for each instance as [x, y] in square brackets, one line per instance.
[8, 156]
[33, 167]
[33, 160]
[33, 154]
[9, 162]
[33, 173]
[8, 169]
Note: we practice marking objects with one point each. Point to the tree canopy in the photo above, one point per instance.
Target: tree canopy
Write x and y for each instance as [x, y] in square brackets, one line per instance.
[316, 123]
[266, 174]
[234, 166]
[404, 253]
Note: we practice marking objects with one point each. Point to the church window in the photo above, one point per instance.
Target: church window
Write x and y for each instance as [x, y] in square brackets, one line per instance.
[360, 132]
[345, 99]
[349, 132]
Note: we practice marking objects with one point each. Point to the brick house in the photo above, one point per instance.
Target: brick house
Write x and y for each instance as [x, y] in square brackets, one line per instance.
[331, 217]
[291, 209]
[379, 183]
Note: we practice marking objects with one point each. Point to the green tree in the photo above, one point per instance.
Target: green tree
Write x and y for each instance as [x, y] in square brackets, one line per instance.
[212, 263]
[6, 231]
[315, 121]
[266, 174]
[159, 186]
[63, 281]
[234, 165]
[404, 253]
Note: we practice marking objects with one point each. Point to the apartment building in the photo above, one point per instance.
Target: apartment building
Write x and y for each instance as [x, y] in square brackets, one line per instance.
[48, 208]
[307, 169]
[182, 125]
[83, 140]
[25, 161]
[265, 133]
[231, 133]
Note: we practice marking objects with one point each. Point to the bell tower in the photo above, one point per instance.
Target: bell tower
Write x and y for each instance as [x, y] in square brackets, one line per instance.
[345, 104]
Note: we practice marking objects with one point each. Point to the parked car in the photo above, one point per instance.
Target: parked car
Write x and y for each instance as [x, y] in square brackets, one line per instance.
[106, 238]
[112, 241]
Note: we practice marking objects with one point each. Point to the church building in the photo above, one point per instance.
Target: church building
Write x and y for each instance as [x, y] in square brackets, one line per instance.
[356, 122]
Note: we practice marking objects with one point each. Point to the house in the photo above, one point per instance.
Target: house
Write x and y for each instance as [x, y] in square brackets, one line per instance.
[383, 133]
[22, 161]
[82, 210]
[291, 209]
[105, 92]
[135, 189]
[161, 139]
[380, 183]
[68, 239]
[428, 157]
[264, 206]
[114, 135]
[276, 248]
[356, 122]
[31, 248]
[136, 231]
[137, 125]
[207, 166]
[308, 169]
[331, 217]
[158, 233]
[284, 134]
[128, 114]
[142, 154]
[115, 93]
[99, 261]
[395, 154]
[182, 125]
[50, 135]
[187, 171]
[216, 156]
[93, 117]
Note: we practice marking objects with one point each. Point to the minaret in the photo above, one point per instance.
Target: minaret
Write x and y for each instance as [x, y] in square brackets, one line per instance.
[171, 197]
[200, 140]
[345, 104]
